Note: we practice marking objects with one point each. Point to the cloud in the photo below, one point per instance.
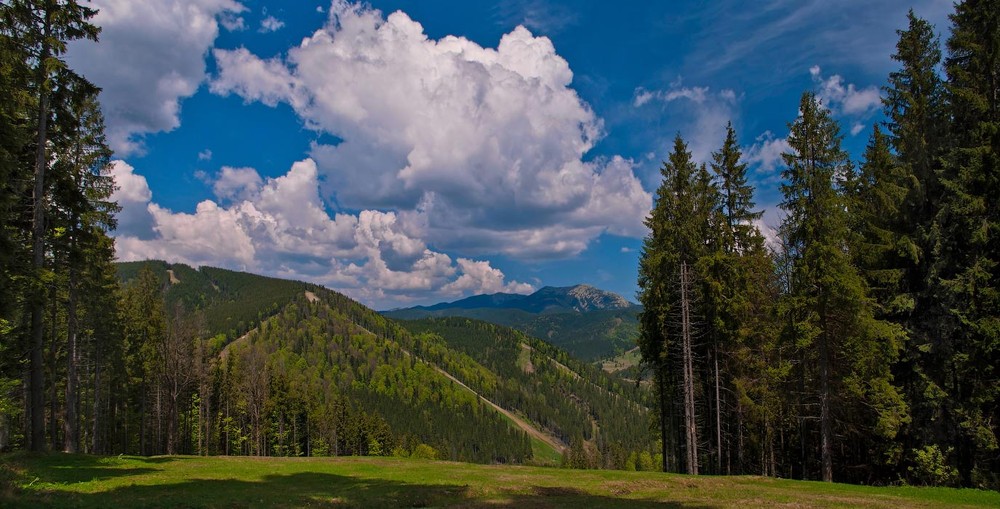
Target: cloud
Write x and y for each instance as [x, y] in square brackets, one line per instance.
[232, 22]
[479, 278]
[132, 194]
[453, 136]
[765, 153]
[280, 227]
[764, 43]
[270, 24]
[772, 239]
[705, 114]
[844, 99]
[236, 183]
[150, 57]
[205, 155]
[694, 94]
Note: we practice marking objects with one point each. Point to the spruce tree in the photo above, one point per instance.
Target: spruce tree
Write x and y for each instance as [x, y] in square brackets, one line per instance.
[676, 237]
[845, 352]
[43, 28]
[965, 276]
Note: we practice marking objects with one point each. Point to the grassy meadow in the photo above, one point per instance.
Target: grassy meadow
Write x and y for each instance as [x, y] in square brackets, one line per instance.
[57, 480]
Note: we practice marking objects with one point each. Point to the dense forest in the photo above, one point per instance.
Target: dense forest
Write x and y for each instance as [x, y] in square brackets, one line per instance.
[867, 347]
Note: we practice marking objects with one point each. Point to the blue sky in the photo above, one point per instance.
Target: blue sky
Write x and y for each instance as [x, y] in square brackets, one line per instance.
[408, 152]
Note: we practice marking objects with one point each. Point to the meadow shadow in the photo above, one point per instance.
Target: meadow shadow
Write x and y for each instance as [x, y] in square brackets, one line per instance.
[310, 489]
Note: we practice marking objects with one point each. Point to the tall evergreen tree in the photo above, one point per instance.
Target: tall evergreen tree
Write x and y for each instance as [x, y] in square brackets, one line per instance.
[845, 351]
[737, 292]
[679, 224]
[965, 276]
[43, 27]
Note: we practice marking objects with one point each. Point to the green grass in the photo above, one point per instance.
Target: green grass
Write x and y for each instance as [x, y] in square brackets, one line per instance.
[56, 480]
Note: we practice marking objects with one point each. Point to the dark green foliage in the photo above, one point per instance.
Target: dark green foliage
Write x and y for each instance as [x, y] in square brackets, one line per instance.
[963, 339]
[845, 351]
[232, 302]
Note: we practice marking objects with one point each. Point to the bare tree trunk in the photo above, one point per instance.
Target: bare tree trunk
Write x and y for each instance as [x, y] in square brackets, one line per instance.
[718, 411]
[53, 357]
[96, 418]
[690, 422]
[663, 416]
[71, 428]
[826, 428]
[37, 364]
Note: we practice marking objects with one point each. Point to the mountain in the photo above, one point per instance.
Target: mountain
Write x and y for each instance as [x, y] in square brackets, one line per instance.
[550, 299]
[296, 369]
[587, 322]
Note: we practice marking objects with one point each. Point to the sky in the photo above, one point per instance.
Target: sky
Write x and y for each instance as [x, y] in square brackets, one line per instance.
[412, 152]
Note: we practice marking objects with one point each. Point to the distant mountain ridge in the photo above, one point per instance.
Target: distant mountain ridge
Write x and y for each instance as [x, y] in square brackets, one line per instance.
[588, 322]
[559, 299]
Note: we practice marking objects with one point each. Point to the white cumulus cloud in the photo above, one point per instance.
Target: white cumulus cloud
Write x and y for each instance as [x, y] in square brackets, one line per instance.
[845, 99]
[279, 226]
[765, 153]
[480, 149]
[236, 183]
[151, 56]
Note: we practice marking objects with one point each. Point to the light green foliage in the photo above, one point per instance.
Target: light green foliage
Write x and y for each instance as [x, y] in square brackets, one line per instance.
[424, 452]
[645, 462]
[930, 467]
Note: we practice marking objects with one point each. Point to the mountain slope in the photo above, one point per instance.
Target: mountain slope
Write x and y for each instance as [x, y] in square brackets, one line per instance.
[297, 369]
[579, 298]
[573, 400]
[589, 323]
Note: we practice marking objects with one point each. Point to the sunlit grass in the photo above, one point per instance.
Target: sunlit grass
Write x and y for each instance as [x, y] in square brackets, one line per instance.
[58, 480]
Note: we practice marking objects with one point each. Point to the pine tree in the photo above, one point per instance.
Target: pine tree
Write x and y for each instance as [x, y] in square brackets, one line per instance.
[43, 27]
[846, 352]
[737, 292]
[965, 276]
[679, 224]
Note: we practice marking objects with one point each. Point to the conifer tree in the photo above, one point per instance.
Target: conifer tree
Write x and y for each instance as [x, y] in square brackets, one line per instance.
[43, 27]
[679, 224]
[964, 280]
[845, 351]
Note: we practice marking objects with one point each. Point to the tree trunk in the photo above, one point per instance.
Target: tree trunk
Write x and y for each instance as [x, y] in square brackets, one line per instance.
[826, 428]
[718, 413]
[96, 418]
[53, 357]
[37, 364]
[71, 428]
[663, 416]
[690, 422]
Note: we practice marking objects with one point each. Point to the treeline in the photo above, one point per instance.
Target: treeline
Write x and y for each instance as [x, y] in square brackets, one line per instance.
[866, 347]
[600, 418]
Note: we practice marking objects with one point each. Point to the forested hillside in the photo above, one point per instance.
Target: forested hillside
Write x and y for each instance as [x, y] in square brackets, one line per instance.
[588, 323]
[601, 418]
